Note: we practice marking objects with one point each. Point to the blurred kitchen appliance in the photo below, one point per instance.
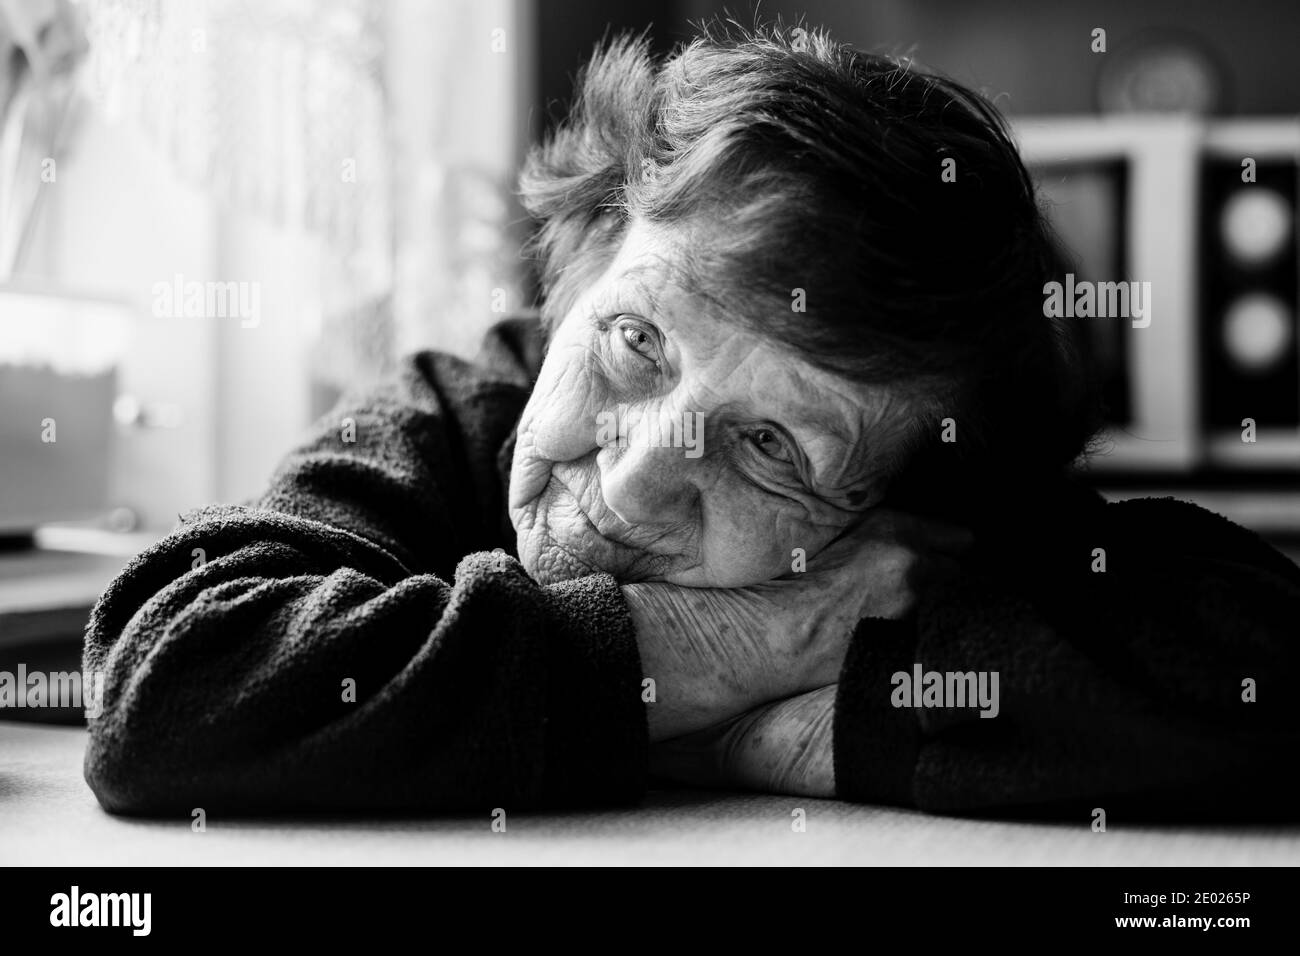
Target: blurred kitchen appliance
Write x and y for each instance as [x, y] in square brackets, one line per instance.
[59, 363]
[1206, 211]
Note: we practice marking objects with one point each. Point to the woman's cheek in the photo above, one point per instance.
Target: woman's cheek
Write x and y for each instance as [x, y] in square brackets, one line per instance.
[754, 562]
[748, 538]
[562, 414]
[788, 537]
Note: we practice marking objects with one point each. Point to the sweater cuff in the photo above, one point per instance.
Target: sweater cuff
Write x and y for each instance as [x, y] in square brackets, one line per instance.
[876, 745]
[597, 740]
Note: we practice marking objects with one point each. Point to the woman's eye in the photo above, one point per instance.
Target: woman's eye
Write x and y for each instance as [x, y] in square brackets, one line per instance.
[639, 341]
[770, 443]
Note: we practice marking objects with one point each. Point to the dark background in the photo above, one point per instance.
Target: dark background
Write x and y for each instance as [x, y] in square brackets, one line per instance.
[1035, 56]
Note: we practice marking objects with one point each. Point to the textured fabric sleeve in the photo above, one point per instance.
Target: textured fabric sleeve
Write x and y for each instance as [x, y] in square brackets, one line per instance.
[1159, 687]
[356, 641]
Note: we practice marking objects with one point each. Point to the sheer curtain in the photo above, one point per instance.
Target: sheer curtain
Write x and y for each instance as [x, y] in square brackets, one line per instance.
[354, 158]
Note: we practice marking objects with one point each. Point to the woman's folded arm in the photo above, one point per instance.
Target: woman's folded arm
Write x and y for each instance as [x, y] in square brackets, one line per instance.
[294, 670]
[352, 641]
[1157, 686]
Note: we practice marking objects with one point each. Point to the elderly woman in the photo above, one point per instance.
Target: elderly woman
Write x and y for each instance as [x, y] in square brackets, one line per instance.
[774, 495]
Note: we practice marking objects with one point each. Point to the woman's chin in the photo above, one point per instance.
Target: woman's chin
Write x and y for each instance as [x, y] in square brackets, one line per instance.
[550, 557]
[550, 563]
[547, 563]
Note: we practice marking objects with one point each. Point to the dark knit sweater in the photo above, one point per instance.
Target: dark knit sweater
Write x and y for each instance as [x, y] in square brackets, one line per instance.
[362, 637]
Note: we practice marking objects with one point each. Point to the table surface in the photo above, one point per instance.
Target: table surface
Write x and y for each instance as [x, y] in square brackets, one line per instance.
[48, 816]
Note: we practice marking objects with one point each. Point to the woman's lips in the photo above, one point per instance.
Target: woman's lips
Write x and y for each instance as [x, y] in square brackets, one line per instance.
[587, 544]
[597, 537]
[586, 515]
[529, 477]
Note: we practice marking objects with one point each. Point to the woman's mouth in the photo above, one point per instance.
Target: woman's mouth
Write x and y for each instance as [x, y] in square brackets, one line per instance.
[560, 520]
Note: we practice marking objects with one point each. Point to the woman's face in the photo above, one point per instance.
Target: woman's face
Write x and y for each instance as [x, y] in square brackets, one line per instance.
[663, 442]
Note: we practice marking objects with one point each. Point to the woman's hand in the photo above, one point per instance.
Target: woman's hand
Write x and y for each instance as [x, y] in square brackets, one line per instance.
[716, 653]
[783, 747]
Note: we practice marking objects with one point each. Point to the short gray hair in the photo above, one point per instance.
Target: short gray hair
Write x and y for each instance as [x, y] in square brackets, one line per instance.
[795, 162]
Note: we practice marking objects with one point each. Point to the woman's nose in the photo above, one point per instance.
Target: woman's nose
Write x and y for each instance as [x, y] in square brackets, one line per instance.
[646, 482]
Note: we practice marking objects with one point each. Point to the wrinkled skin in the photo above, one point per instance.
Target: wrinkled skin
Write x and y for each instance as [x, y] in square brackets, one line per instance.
[789, 455]
[700, 535]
